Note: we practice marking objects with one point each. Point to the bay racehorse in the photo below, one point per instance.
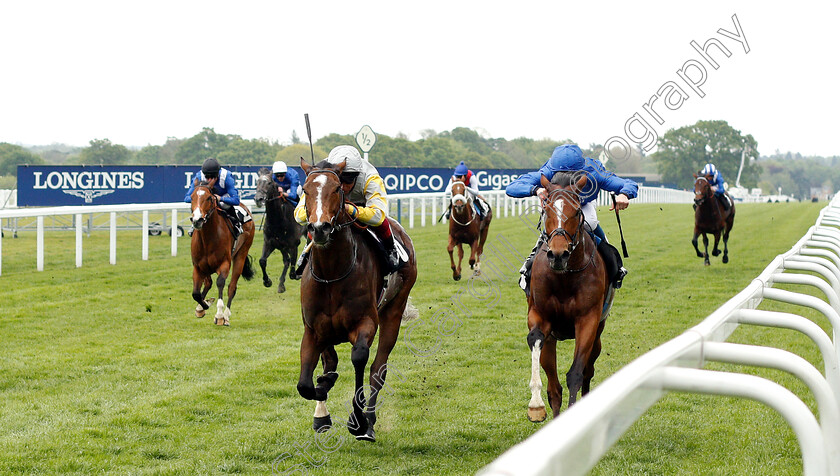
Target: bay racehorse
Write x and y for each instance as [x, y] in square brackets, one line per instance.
[281, 231]
[465, 227]
[342, 300]
[213, 251]
[710, 217]
[570, 296]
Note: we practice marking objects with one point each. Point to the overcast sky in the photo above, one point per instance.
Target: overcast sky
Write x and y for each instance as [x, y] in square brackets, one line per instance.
[137, 72]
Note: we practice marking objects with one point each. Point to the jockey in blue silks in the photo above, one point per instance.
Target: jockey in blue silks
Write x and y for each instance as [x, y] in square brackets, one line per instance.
[569, 158]
[287, 181]
[224, 189]
[716, 181]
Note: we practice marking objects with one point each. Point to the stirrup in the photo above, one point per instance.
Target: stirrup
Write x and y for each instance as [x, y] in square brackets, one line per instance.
[622, 272]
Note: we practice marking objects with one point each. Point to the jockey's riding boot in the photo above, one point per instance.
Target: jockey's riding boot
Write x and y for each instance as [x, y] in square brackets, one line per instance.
[234, 220]
[612, 261]
[724, 200]
[525, 270]
[392, 255]
[301, 262]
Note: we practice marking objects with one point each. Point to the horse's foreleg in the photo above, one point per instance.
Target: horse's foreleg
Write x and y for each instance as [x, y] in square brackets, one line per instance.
[389, 330]
[726, 231]
[586, 331]
[325, 382]
[266, 252]
[473, 253]
[715, 250]
[548, 361]
[536, 339]
[694, 242]
[293, 259]
[198, 295]
[706, 249]
[361, 339]
[456, 275]
[287, 261]
[309, 354]
[460, 258]
[589, 368]
[220, 319]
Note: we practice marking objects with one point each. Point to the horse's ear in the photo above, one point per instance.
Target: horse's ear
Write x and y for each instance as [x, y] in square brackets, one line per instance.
[581, 183]
[544, 181]
[305, 166]
[695, 175]
[212, 182]
[340, 167]
[195, 182]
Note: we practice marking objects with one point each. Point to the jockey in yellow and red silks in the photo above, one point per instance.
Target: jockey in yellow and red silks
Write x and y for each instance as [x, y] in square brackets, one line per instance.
[364, 188]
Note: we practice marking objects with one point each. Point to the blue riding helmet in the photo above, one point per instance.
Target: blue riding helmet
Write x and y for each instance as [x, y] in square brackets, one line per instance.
[567, 157]
[461, 169]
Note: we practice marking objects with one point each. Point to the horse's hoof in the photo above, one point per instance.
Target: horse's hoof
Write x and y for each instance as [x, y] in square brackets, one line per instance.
[221, 321]
[536, 415]
[267, 283]
[715, 252]
[360, 428]
[725, 259]
[700, 255]
[456, 277]
[322, 424]
[369, 436]
[281, 288]
[707, 263]
[199, 313]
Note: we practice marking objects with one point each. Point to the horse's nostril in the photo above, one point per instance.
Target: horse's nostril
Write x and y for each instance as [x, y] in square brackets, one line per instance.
[550, 254]
[565, 255]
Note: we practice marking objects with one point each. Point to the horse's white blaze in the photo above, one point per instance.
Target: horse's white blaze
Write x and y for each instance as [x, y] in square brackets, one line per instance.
[459, 199]
[536, 383]
[196, 213]
[321, 409]
[319, 203]
[558, 207]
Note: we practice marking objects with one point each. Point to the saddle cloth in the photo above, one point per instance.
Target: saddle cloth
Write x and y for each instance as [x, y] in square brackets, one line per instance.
[244, 217]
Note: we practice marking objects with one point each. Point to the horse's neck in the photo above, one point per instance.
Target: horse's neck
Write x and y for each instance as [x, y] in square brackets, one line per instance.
[215, 228]
[583, 252]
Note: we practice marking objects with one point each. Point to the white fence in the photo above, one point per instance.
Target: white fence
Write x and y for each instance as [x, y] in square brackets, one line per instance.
[410, 209]
[575, 441]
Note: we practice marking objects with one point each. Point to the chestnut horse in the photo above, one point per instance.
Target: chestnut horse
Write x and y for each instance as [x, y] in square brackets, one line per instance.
[213, 253]
[465, 227]
[281, 231]
[570, 296]
[710, 217]
[341, 302]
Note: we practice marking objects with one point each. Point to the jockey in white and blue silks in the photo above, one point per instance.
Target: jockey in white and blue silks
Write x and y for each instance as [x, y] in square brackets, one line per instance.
[224, 189]
[287, 180]
[569, 158]
[709, 170]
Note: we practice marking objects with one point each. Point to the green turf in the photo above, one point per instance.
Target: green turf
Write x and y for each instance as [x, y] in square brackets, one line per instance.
[105, 370]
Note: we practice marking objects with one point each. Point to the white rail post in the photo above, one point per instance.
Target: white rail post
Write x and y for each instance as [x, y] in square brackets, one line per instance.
[422, 211]
[411, 212]
[174, 230]
[40, 243]
[1, 250]
[113, 239]
[145, 235]
[434, 211]
[78, 240]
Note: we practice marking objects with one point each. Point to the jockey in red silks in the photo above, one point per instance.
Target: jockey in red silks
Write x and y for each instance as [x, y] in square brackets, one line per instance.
[467, 177]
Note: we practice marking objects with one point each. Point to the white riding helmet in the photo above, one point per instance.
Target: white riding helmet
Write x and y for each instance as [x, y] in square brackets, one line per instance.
[709, 169]
[279, 167]
[349, 153]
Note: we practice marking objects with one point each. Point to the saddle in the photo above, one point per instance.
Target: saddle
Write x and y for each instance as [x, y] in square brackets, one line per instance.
[380, 252]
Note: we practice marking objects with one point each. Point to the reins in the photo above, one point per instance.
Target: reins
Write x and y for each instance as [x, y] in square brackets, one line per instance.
[576, 239]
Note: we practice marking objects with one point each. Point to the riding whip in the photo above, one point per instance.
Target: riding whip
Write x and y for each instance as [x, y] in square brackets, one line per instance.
[309, 135]
[618, 219]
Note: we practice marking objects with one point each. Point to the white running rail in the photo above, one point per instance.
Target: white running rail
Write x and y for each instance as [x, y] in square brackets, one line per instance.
[575, 441]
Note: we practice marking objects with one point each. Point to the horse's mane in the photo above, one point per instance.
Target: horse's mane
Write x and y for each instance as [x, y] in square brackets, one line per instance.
[264, 171]
[564, 179]
[324, 164]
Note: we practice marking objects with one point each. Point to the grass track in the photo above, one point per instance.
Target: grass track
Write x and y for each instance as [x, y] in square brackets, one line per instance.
[105, 370]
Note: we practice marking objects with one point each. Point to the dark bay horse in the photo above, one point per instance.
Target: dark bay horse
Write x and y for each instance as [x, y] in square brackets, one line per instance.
[281, 231]
[341, 302]
[570, 297]
[710, 217]
[465, 227]
[213, 251]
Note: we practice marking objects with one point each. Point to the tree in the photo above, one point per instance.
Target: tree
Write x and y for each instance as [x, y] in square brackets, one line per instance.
[241, 152]
[682, 152]
[13, 155]
[291, 155]
[103, 152]
[199, 147]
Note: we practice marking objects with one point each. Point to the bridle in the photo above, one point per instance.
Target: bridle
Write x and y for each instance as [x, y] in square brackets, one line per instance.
[704, 194]
[270, 181]
[335, 228]
[469, 206]
[206, 216]
[576, 238]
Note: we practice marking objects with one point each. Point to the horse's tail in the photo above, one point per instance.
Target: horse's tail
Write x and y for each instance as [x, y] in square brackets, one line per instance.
[247, 269]
[410, 312]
